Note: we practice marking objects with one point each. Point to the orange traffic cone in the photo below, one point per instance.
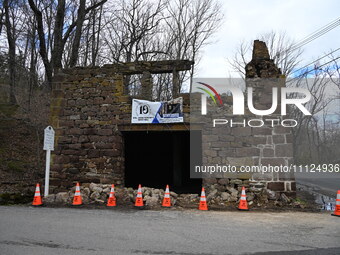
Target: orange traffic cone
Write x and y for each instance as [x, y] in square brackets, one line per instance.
[112, 199]
[243, 205]
[166, 199]
[203, 201]
[139, 198]
[337, 205]
[37, 197]
[77, 200]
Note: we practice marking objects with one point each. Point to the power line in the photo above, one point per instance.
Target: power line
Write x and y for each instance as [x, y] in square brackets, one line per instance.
[316, 36]
[308, 71]
[318, 33]
[330, 23]
[316, 60]
[313, 36]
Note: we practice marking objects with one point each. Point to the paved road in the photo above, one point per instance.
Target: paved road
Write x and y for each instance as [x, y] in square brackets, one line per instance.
[27, 230]
[322, 183]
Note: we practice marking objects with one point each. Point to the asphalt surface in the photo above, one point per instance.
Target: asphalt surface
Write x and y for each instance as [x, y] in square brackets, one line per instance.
[325, 184]
[28, 230]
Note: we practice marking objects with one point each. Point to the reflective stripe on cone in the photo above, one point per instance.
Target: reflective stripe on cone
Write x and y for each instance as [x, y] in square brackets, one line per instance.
[37, 197]
[77, 199]
[112, 199]
[166, 199]
[139, 199]
[337, 205]
[203, 201]
[243, 205]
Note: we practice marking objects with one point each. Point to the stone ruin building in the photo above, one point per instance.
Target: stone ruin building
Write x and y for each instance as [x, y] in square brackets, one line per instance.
[96, 141]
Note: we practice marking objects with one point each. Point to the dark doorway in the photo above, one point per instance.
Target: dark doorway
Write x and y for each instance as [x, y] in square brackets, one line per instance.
[157, 158]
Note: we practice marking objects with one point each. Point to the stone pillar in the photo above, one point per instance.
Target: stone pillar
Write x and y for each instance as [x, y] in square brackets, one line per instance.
[276, 146]
[175, 83]
[146, 90]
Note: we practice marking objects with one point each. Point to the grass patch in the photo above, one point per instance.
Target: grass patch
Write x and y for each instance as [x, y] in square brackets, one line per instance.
[300, 201]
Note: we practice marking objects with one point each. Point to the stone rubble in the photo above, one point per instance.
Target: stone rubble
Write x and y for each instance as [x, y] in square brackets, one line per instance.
[217, 195]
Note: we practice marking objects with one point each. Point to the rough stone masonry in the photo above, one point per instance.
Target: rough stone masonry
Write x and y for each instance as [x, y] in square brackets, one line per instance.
[252, 146]
[90, 108]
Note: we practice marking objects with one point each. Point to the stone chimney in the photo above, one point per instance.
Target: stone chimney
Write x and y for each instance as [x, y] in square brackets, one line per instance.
[260, 51]
[262, 75]
[261, 66]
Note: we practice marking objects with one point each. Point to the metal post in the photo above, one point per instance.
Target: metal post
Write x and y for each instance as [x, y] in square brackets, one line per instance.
[47, 172]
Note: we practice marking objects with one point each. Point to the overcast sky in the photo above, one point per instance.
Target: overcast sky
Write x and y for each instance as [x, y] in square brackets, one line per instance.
[246, 19]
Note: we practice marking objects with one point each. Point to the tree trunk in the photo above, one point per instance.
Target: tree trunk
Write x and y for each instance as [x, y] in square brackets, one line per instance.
[11, 54]
[175, 84]
[93, 43]
[33, 64]
[58, 45]
[1, 22]
[77, 35]
[42, 44]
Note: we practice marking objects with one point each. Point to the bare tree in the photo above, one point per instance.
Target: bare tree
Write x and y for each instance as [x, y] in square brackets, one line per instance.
[11, 50]
[2, 14]
[131, 23]
[60, 37]
[333, 70]
[78, 32]
[281, 49]
[14, 21]
[66, 33]
[309, 134]
[42, 42]
[189, 26]
[141, 30]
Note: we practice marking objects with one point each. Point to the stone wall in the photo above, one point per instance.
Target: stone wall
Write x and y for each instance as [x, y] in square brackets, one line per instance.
[252, 146]
[89, 109]
[246, 146]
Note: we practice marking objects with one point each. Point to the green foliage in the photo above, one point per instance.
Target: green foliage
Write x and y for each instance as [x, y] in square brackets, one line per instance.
[300, 201]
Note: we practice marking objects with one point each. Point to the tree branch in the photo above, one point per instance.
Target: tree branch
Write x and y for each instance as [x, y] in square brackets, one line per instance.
[42, 43]
[74, 23]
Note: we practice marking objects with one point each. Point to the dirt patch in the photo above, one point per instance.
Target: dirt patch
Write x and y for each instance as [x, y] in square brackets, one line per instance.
[21, 155]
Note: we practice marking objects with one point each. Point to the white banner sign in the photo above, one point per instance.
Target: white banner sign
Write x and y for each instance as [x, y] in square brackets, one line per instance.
[144, 111]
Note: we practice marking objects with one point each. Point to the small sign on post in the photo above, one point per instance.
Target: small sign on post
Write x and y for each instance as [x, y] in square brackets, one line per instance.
[48, 147]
